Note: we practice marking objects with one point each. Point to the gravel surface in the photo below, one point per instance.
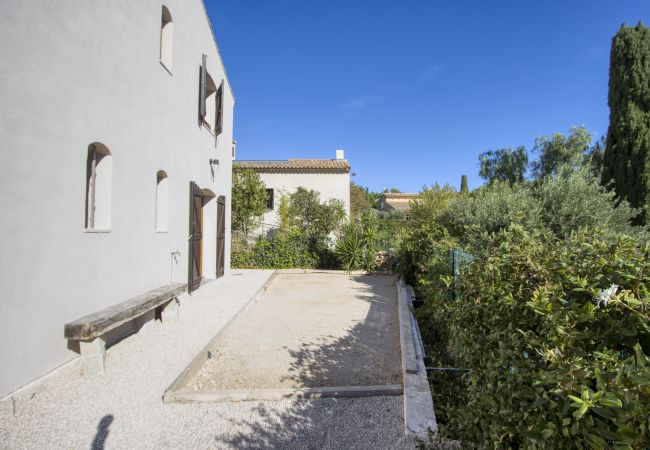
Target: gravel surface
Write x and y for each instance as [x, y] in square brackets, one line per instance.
[311, 330]
[124, 409]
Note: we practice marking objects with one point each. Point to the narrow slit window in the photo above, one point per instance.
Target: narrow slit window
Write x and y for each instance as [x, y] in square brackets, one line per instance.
[162, 201]
[269, 199]
[166, 38]
[98, 187]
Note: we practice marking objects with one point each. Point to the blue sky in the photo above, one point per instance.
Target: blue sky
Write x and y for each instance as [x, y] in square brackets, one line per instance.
[413, 90]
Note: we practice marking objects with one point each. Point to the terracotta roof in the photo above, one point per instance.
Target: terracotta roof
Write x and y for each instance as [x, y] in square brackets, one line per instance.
[297, 165]
[397, 195]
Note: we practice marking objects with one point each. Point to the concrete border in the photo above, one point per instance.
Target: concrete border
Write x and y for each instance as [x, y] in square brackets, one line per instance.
[419, 416]
[241, 395]
[198, 361]
[328, 271]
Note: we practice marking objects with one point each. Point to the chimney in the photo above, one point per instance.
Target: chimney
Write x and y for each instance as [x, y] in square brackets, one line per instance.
[340, 154]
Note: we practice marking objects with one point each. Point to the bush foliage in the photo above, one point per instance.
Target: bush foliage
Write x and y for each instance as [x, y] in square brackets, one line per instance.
[551, 366]
[356, 246]
[248, 199]
[303, 240]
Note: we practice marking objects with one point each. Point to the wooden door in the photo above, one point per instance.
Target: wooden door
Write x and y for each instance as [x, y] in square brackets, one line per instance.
[221, 234]
[195, 238]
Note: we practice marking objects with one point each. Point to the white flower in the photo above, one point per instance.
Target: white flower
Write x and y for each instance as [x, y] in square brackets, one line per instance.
[605, 296]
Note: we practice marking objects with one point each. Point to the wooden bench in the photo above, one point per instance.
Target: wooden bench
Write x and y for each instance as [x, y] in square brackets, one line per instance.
[91, 330]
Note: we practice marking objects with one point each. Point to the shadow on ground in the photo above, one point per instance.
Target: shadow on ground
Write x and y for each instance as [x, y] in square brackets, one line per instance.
[335, 423]
[102, 432]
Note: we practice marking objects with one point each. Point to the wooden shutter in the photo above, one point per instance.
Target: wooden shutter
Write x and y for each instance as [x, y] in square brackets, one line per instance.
[203, 77]
[221, 235]
[218, 119]
[194, 239]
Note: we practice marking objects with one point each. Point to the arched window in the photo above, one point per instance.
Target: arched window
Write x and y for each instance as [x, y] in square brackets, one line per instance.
[162, 200]
[99, 168]
[166, 38]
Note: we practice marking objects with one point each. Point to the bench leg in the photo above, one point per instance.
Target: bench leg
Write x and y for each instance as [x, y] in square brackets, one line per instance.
[93, 356]
[170, 311]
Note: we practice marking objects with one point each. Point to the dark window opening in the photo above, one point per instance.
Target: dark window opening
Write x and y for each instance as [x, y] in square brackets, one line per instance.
[269, 199]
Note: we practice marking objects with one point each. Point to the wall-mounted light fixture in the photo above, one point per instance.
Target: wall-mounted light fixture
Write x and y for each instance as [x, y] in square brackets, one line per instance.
[214, 166]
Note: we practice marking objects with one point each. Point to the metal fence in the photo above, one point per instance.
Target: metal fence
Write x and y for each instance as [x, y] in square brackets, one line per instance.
[242, 240]
[458, 258]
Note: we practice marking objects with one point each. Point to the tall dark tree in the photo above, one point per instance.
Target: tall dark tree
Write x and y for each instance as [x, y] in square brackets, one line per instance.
[504, 164]
[627, 156]
[464, 189]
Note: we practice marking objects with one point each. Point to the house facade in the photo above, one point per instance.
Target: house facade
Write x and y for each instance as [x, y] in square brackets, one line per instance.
[115, 127]
[330, 177]
[397, 201]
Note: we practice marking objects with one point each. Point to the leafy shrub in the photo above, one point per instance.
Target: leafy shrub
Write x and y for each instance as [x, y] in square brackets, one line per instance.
[248, 199]
[302, 214]
[349, 247]
[356, 246]
[490, 209]
[551, 365]
[576, 199]
[559, 204]
[283, 250]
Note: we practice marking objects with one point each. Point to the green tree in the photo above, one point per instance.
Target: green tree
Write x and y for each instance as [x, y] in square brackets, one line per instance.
[504, 164]
[559, 152]
[463, 185]
[312, 222]
[306, 213]
[595, 157]
[627, 156]
[431, 203]
[248, 199]
[360, 200]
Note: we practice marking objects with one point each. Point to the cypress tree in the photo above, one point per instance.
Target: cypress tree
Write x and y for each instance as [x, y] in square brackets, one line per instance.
[626, 162]
[463, 185]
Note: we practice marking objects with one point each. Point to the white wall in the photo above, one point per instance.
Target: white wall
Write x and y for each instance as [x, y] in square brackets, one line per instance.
[73, 73]
[330, 186]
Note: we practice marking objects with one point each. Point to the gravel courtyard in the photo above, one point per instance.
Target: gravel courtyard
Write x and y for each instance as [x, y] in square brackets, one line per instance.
[323, 329]
[124, 408]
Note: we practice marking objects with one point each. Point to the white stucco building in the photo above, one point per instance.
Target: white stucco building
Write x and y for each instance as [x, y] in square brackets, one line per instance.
[115, 127]
[330, 177]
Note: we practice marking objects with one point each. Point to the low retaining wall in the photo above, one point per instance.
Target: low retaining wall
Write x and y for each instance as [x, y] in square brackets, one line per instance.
[175, 390]
[419, 416]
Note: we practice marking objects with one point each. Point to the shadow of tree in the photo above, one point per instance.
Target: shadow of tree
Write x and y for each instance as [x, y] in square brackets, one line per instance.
[367, 354]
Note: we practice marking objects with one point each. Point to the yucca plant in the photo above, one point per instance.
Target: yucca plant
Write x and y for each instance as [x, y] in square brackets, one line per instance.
[349, 246]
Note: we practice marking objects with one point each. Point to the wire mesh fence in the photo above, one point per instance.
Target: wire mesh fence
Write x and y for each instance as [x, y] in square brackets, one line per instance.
[457, 259]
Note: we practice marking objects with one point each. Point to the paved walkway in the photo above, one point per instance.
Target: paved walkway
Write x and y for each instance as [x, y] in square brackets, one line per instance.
[124, 408]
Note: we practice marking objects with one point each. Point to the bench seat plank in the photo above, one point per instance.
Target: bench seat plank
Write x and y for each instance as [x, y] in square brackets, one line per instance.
[98, 323]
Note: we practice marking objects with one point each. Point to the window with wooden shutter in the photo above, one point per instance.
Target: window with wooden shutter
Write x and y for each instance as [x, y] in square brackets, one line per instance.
[210, 103]
[218, 120]
[202, 88]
